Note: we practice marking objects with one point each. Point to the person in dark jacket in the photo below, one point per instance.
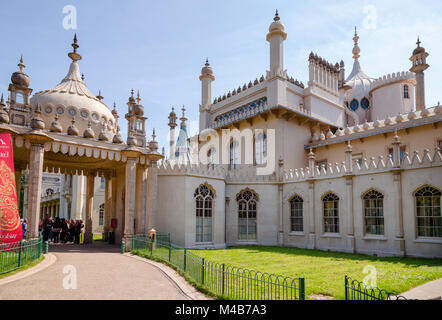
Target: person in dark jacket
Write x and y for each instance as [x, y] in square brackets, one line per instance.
[47, 228]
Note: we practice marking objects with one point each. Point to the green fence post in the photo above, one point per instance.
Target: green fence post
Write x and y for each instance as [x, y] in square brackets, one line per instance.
[40, 242]
[346, 288]
[170, 251]
[151, 247]
[46, 247]
[19, 253]
[203, 262]
[185, 259]
[301, 289]
[224, 268]
[123, 246]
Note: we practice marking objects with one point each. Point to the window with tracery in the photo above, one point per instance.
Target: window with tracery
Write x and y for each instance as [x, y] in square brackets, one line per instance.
[247, 212]
[428, 215]
[374, 212]
[204, 196]
[331, 213]
[296, 219]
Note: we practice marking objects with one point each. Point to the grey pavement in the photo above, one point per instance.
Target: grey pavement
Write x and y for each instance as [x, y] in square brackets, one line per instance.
[101, 273]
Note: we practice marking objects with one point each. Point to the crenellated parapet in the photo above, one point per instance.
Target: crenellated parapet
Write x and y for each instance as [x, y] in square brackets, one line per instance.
[200, 170]
[366, 166]
[240, 89]
[392, 78]
[323, 74]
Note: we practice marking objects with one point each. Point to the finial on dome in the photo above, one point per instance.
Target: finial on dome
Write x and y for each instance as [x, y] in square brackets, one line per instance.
[356, 49]
[418, 42]
[138, 96]
[2, 102]
[276, 18]
[74, 55]
[21, 65]
[82, 77]
[184, 110]
[153, 135]
[99, 97]
[207, 62]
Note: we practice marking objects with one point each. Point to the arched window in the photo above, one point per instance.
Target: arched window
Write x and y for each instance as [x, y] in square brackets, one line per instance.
[101, 215]
[429, 220]
[204, 196]
[331, 213]
[296, 220]
[354, 104]
[374, 212]
[247, 202]
[234, 154]
[365, 103]
[260, 148]
[406, 92]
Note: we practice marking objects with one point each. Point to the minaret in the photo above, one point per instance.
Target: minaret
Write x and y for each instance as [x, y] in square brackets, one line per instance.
[206, 78]
[136, 120]
[172, 125]
[419, 66]
[276, 37]
[20, 93]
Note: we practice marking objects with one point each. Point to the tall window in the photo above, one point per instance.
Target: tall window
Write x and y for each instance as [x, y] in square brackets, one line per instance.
[101, 215]
[103, 183]
[429, 220]
[401, 152]
[204, 196]
[247, 201]
[260, 148]
[406, 93]
[331, 213]
[211, 156]
[374, 212]
[296, 221]
[234, 155]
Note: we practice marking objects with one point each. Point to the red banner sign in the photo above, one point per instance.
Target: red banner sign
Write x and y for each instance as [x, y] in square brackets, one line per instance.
[10, 226]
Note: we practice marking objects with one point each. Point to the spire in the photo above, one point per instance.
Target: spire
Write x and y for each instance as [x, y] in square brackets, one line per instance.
[183, 118]
[276, 18]
[21, 65]
[356, 49]
[418, 42]
[99, 97]
[207, 62]
[74, 55]
[138, 97]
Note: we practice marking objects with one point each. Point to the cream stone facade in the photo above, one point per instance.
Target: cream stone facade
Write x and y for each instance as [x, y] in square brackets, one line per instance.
[346, 162]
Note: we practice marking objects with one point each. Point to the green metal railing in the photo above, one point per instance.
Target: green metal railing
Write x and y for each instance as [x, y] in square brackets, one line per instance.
[220, 279]
[18, 254]
[356, 290]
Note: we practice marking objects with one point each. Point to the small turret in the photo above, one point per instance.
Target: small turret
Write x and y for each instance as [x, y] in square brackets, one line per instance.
[419, 65]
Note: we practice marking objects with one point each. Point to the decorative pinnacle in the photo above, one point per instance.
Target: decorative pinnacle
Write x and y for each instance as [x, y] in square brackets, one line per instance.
[183, 118]
[153, 135]
[99, 97]
[276, 18]
[2, 102]
[418, 42]
[132, 92]
[207, 62]
[74, 55]
[138, 97]
[356, 49]
[21, 65]
[82, 77]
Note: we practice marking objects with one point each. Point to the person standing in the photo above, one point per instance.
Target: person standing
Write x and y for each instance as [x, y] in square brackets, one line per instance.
[24, 227]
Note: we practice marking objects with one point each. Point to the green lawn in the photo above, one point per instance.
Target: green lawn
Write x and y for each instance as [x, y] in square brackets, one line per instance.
[324, 271]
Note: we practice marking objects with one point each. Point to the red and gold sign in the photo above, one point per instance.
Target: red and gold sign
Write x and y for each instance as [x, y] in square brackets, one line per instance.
[10, 226]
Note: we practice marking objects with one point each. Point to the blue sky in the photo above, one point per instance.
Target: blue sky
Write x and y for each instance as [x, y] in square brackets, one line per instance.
[159, 47]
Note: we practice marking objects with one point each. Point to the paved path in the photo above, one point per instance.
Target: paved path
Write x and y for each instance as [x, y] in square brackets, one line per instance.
[102, 273]
[426, 291]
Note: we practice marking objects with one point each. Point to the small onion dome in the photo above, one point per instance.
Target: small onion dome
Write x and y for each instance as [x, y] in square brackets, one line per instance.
[72, 129]
[419, 49]
[55, 126]
[153, 145]
[117, 137]
[277, 25]
[89, 133]
[4, 116]
[37, 122]
[138, 110]
[207, 70]
[132, 98]
[114, 111]
[103, 136]
[20, 78]
[131, 141]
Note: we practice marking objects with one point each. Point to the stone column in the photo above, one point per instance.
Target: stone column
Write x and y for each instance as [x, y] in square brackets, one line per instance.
[311, 216]
[34, 188]
[144, 195]
[350, 214]
[88, 235]
[131, 175]
[139, 224]
[399, 230]
[107, 206]
[152, 194]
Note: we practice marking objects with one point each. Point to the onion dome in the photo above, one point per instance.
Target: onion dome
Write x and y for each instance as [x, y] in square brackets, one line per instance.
[114, 111]
[4, 116]
[277, 25]
[103, 136]
[138, 108]
[55, 126]
[73, 130]
[131, 141]
[117, 137]
[172, 118]
[419, 49]
[131, 98]
[20, 78]
[37, 122]
[153, 145]
[72, 99]
[206, 71]
[89, 133]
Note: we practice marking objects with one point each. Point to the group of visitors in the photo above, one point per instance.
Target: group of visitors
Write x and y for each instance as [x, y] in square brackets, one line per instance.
[61, 230]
